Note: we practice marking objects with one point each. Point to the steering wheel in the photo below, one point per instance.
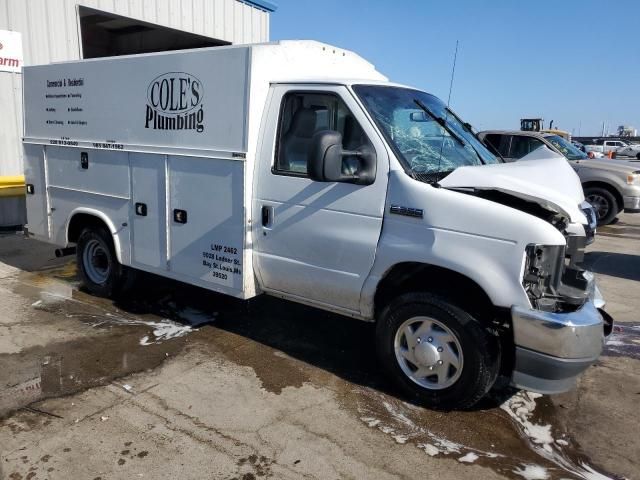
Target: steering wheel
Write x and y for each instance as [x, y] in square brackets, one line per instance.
[448, 142]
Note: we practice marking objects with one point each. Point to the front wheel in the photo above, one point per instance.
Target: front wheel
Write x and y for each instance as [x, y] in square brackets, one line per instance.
[603, 202]
[435, 352]
[100, 270]
[638, 155]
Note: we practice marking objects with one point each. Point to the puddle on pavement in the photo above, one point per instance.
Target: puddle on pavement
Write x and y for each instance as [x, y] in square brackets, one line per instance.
[123, 343]
[539, 450]
[516, 435]
[624, 341]
[68, 367]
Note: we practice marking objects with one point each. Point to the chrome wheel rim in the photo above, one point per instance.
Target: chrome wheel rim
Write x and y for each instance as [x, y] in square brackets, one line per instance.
[96, 262]
[599, 203]
[428, 352]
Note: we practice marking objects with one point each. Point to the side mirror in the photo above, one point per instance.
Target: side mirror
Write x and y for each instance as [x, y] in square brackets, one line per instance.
[324, 163]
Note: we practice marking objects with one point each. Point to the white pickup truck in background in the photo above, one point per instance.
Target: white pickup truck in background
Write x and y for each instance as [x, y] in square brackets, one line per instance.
[631, 150]
[297, 170]
[605, 146]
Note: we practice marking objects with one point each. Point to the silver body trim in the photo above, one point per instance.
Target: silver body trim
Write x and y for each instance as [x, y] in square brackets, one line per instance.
[572, 335]
[632, 203]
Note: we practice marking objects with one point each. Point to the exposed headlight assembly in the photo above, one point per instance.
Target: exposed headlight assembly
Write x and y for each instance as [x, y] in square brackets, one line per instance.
[634, 178]
[543, 274]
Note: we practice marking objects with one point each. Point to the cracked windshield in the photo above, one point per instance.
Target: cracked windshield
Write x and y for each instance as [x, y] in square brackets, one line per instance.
[426, 136]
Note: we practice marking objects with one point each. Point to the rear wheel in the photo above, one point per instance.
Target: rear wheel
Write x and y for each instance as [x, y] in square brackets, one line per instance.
[436, 352]
[100, 270]
[603, 202]
[638, 155]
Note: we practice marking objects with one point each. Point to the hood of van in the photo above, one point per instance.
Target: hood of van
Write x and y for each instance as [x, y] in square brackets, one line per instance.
[543, 177]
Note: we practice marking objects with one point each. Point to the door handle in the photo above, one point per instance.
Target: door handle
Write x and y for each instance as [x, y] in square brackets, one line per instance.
[141, 209]
[179, 216]
[267, 216]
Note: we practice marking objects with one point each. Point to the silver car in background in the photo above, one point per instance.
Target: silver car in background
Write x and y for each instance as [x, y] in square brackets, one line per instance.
[611, 186]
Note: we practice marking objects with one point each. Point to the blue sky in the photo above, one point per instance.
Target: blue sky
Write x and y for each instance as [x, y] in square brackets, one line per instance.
[575, 62]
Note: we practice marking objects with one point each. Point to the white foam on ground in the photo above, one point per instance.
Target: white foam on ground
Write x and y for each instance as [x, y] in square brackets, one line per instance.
[165, 330]
[55, 293]
[468, 458]
[400, 438]
[370, 421]
[532, 472]
[402, 429]
[590, 474]
[429, 449]
[520, 408]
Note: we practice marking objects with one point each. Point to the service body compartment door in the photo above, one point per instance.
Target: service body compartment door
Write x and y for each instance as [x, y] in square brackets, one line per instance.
[81, 178]
[207, 218]
[149, 212]
[35, 178]
[314, 240]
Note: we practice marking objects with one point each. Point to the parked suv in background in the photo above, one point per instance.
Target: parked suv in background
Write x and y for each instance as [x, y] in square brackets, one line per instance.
[611, 186]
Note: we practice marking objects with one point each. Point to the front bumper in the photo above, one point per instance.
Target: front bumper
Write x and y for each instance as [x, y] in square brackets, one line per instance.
[553, 349]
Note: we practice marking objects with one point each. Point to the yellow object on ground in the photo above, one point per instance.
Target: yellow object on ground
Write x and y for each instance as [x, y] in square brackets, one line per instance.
[12, 186]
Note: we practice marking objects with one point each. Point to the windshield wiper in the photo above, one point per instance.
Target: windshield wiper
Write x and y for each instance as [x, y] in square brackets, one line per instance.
[469, 128]
[441, 122]
[466, 125]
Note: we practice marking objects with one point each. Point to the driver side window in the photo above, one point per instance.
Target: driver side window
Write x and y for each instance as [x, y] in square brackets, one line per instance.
[522, 145]
[302, 115]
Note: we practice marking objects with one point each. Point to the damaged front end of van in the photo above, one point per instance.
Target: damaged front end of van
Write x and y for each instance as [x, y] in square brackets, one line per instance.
[517, 230]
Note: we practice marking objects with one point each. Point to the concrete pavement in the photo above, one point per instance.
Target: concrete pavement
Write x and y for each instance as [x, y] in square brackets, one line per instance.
[178, 382]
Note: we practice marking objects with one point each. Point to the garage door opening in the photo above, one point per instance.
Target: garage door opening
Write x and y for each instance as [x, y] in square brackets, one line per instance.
[105, 34]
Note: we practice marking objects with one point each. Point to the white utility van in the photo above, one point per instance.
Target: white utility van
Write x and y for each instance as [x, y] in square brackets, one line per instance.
[297, 170]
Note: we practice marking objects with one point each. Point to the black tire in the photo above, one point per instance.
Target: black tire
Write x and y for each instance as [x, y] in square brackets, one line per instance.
[638, 155]
[480, 351]
[604, 203]
[117, 279]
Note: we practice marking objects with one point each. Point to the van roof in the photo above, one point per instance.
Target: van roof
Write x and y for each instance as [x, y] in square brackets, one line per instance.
[286, 60]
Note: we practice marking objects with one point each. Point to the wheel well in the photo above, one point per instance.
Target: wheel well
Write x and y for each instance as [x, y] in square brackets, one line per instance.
[79, 222]
[457, 288]
[610, 188]
[420, 277]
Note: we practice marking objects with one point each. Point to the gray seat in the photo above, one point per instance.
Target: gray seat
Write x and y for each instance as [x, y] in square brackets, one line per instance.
[297, 141]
